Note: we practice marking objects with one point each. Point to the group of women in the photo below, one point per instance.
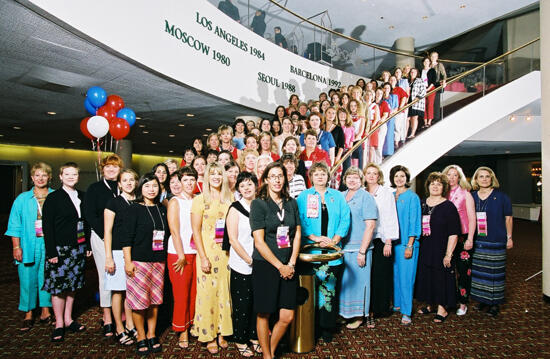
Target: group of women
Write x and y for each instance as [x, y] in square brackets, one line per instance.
[231, 251]
[228, 222]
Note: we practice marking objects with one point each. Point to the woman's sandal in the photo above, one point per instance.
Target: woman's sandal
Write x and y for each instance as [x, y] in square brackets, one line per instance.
[154, 345]
[183, 343]
[108, 330]
[58, 335]
[47, 320]
[223, 343]
[27, 325]
[142, 348]
[76, 327]
[257, 347]
[370, 322]
[124, 338]
[439, 318]
[406, 320]
[355, 324]
[212, 347]
[245, 351]
[425, 310]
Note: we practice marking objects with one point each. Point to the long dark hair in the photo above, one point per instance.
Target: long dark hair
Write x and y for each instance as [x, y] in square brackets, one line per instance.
[263, 192]
[166, 183]
[198, 138]
[148, 177]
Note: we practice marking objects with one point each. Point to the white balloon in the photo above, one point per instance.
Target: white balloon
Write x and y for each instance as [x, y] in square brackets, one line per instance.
[98, 126]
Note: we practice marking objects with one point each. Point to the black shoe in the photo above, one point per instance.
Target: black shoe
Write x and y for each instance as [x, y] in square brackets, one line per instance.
[493, 311]
[154, 345]
[327, 336]
[482, 307]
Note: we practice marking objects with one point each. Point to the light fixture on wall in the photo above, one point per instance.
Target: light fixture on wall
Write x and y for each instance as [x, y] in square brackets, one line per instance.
[512, 118]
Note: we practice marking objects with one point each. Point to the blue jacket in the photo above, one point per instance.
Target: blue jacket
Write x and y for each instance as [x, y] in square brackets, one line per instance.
[338, 216]
[409, 214]
[21, 223]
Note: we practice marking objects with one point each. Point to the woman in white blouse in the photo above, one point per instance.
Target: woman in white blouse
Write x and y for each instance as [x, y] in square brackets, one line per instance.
[387, 230]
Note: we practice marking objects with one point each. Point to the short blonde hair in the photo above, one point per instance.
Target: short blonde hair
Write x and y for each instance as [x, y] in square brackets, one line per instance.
[462, 181]
[68, 165]
[494, 181]
[41, 166]
[380, 173]
[353, 170]
[171, 160]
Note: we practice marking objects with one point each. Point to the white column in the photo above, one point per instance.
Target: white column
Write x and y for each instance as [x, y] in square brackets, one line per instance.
[404, 44]
[545, 145]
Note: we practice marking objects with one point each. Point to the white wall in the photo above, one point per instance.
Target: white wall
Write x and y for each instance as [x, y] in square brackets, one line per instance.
[180, 39]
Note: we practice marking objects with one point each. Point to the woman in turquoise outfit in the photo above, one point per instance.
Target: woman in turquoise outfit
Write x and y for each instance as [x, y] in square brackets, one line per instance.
[325, 218]
[406, 247]
[357, 247]
[29, 252]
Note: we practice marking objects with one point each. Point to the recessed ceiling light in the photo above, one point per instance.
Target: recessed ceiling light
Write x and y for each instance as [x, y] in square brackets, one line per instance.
[205, 135]
[171, 135]
[424, 17]
[513, 118]
[16, 127]
[153, 142]
[391, 27]
[208, 129]
[138, 118]
[141, 125]
[181, 125]
[51, 113]
[506, 151]
[528, 118]
[462, 6]
[71, 141]
[190, 115]
[1, 135]
[171, 151]
[145, 132]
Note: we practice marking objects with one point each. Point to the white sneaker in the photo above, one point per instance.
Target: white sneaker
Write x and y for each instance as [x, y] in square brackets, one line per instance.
[461, 311]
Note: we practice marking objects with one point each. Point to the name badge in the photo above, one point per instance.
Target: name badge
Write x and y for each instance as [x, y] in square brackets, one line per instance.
[38, 228]
[481, 224]
[80, 236]
[308, 164]
[283, 240]
[312, 206]
[220, 225]
[426, 231]
[158, 240]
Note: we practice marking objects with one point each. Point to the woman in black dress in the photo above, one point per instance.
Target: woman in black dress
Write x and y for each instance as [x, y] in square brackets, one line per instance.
[67, 240]
[435, 279]
[275, 225]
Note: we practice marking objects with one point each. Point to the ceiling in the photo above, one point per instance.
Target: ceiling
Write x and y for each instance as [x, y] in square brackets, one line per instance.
[48, 69]
[385, 21]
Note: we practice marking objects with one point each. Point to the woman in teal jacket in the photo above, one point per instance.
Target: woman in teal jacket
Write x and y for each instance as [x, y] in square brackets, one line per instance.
[325, 218]
[406, 247]
[29, 252]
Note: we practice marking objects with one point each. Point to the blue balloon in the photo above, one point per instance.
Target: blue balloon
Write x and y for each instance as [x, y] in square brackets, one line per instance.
[89, 107]
[128, 115]
[97, 96]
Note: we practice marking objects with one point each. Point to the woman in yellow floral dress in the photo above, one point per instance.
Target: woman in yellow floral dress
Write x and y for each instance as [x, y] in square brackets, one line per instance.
[213, 304]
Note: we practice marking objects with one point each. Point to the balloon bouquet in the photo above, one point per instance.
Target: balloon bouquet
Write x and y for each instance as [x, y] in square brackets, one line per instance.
[108, 116]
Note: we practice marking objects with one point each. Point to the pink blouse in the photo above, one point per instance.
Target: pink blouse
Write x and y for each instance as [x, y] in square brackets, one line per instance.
[458, 197]
[349, 134]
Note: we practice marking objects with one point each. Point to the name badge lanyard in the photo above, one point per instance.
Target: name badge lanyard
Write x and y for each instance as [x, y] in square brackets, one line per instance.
[38, 223]
[283, 240]
[481, 216]
[158, 235]
[426, 229]
[111, 190]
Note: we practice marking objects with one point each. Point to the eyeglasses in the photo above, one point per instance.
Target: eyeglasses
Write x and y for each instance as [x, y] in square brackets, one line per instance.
[275, 177]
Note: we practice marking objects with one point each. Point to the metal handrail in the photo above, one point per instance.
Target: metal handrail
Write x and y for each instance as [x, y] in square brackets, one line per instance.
[378, 47]
[456, 78]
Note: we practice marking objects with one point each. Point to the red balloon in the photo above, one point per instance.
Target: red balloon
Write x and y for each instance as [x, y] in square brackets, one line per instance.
[107, 111]
[115, 101]
[84, 128]
[119, 128]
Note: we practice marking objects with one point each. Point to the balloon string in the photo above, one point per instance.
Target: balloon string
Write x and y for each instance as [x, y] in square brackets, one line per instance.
[111, 148]
[98, 156]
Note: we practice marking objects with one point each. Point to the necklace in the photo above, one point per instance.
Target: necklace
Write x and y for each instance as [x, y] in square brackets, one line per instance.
[40, 196]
